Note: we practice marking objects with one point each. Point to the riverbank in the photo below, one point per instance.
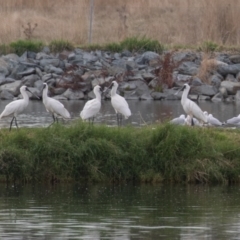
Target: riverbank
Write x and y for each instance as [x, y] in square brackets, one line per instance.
[83, 153]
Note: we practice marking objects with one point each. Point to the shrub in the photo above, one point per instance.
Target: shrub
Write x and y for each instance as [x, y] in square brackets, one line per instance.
[135, 44]
[60, 45]
[20, 46]
[208, 46]
[141, 44]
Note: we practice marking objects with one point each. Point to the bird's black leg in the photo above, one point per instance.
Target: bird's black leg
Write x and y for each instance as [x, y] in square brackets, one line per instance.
[11, 124]
[16, 122]
[92, 120]
[117, 119]
[120, 118]
[53, 120]
[192, 122]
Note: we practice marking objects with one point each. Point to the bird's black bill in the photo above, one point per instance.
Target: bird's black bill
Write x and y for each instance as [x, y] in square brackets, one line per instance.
[32, 93]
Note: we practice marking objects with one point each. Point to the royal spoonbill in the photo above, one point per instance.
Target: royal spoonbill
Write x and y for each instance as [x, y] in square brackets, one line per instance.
[190, 107]
[92, 107]
[119, 104]
[53, 106]
[16, 107]
[212, 121]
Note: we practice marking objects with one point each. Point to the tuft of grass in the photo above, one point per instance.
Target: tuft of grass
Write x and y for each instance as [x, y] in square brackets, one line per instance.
[208, 46]
[207, 68]
[81, 152]
[60, 45]
[136, 44]
[20, 46]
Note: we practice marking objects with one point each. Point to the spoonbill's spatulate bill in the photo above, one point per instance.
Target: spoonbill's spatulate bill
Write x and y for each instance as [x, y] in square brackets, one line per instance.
[16, 107]
[191, 108]
[119, 104]
[53, 106]
[92, 107]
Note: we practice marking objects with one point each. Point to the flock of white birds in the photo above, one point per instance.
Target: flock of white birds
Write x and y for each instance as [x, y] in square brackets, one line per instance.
[57, 109]
[194, 115]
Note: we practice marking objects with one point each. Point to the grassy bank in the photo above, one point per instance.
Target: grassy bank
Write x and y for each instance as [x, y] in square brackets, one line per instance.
[99, 153]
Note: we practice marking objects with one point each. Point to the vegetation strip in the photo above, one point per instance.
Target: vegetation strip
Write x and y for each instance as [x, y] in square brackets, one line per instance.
[98, 153]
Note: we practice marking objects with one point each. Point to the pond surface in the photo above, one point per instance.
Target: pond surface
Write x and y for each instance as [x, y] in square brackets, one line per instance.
[120, 212]
[143, 112]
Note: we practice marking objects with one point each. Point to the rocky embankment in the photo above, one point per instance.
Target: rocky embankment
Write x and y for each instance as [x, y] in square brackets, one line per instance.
[72, 75]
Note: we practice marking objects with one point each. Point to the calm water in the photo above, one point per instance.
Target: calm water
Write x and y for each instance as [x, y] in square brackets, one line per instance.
[143, 112]
[95, 212]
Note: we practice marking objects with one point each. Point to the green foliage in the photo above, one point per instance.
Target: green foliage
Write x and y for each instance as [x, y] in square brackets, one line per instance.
[113, 47]
[208, 46]
[141, 44]
[60, 45]
[20, 46]
[135, 44]
[81, 152]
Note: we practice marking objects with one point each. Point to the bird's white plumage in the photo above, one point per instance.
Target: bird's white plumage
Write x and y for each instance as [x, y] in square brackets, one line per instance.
[119, 103]
[179, 120]
[92, 107]
[212, 121]
[54, 106]
[190, 107]
[234, 120]
[16, 107]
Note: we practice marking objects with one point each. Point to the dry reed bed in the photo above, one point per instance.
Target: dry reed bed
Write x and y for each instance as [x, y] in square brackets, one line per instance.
[173, 22]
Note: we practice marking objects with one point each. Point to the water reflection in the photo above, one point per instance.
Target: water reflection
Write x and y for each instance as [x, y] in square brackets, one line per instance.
[120, 212]
[143, 112]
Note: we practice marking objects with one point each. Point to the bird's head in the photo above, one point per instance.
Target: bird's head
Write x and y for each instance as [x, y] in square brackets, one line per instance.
[26, 89]
[97, 88]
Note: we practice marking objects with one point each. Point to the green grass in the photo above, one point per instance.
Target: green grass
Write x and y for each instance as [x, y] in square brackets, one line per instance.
[98, 154]
[20, 46]
[60, 45]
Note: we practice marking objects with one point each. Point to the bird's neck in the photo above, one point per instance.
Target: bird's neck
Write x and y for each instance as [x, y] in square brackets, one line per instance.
[113, 91]
[185, 94]
[44, 94]
[25, 96]
[98, 96]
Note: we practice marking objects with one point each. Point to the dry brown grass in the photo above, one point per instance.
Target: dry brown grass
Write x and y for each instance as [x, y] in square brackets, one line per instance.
[187, 22]
[208, 67]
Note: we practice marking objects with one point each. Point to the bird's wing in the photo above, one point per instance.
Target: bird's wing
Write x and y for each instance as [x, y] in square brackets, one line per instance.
[57, 108]
[234, 120]
[214, 121]
[16, 107]
[178, 121]
[90, 109]
[195, 110]
[120, 105]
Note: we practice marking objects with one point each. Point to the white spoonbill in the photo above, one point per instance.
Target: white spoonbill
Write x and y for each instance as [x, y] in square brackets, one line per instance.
[53, 106]
[119, 104]
[212, 121]
[92, 107]
[16, 107]
[234, 120]
[190, 107]
[179, 120]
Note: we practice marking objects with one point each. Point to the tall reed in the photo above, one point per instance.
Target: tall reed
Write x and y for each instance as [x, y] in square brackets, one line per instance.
[169, 22]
